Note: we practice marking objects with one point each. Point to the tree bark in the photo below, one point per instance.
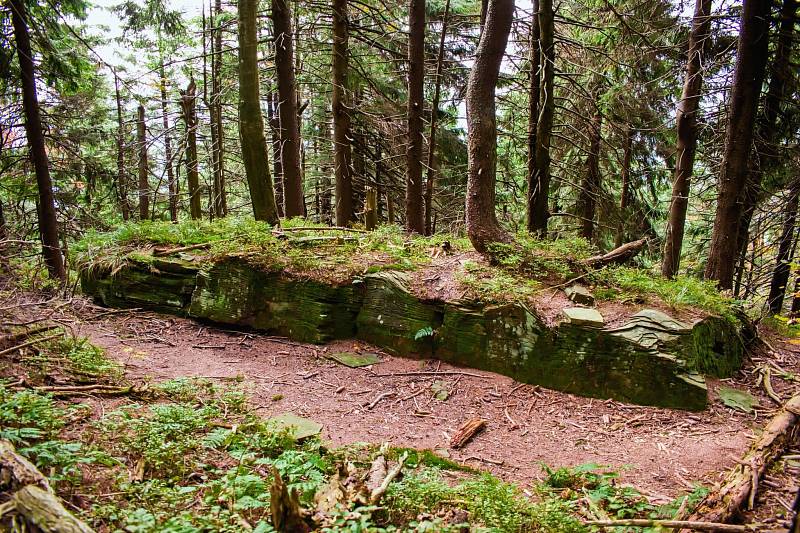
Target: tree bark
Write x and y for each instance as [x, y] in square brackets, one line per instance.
[483, 228]
[780, 276]
[429, 182]
[538, 210]
[171, 184]
[534, 87]
[48, 223]
[217, 132]
[251, 121]
[748, 78]
[625, 176]
[144, 187]
[415, 219]
[190, 119]
[766, 129]
[343, 173]
[122, 186]
[590, 189]
[686, 146]
[287, 109]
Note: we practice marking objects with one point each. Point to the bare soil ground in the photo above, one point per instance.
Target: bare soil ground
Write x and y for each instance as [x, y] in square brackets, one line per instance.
[662, 452]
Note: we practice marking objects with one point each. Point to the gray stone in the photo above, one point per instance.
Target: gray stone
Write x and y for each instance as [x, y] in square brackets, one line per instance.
[581, 316]
[579, 294]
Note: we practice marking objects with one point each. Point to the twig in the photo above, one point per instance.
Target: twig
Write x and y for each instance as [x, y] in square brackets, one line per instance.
[31, 343]
[689, 524]
[379, 398]
[393, 473]
[421, 373]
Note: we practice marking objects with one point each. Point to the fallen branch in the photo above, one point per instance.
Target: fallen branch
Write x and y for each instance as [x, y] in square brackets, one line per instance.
[30, 343]
[324, 228]
[432, 373]
[377, 493]
[161, 252]
[742, 481]
[689, 524]
[96, 389]
[378, 399]
[16, 337]
[31, 496]
[468, 429]
[619, 255]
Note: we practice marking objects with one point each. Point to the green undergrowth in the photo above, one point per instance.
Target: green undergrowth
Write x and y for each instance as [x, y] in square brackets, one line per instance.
[190, 455]
[299, 245]
[521, 271]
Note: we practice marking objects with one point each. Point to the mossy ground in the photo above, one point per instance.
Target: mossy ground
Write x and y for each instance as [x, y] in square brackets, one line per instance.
[524, 271]
[189, 455]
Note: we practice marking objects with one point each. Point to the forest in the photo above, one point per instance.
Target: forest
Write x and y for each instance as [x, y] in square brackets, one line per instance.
[399, 265]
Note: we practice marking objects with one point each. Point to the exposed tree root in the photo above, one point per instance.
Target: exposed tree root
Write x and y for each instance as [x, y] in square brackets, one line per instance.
[741, 485]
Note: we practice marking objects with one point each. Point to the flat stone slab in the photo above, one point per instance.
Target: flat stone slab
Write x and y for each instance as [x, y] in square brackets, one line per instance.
[355, 360]
[581, 316]
[300, 428]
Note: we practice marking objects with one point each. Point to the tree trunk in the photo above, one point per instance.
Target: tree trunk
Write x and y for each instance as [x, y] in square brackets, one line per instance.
[341, 116]
[686, 121]
[780, 276]
[590, 189]
[766, 129]
[190, 119]
[429, 182]
[533, 112]
[122, 186]
[539, 213]
[483, 228]
[287, 109]
[750, 65]
[415, 218]
[251, 122]
[625, 176]
[218, 134]
[144, 188]
[48, 224]
[275, 133]
[171, 186]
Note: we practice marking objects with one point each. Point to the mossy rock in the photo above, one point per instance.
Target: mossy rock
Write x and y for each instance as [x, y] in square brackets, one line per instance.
[234, 292]
[392, 318]
[161, 285]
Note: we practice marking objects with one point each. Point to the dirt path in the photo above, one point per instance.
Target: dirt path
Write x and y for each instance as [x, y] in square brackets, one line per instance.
[661, 451]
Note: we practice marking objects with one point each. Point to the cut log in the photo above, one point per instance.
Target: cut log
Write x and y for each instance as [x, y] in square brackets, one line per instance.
[31, 496]
[618, 256]
[741, 483]
[468, 429]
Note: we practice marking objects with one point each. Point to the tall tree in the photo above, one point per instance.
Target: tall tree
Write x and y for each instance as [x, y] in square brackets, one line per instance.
[251, 121]
[415, 218]
[122, 180]
[340, 101]
[481, 219]
[538, 210]
[190, 120]
[287, 110]
[686, 146]
[751, 59]
[144, 168]
[780, 276]
[218, 132]
[437, 90]
[172, 185]
[48, 223]
[534, 86]
[590, 188]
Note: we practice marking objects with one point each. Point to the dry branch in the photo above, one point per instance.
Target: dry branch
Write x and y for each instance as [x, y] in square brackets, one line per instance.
[620, 255]
[378, 493]
[161, 252]
[742, 482]
[689, 524]
[30, 343]
[468, 429]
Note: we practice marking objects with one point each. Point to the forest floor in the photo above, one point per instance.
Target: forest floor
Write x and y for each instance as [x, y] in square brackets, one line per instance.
[660, 451]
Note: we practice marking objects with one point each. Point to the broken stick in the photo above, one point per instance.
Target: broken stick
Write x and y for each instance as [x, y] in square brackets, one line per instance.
[468, 429]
